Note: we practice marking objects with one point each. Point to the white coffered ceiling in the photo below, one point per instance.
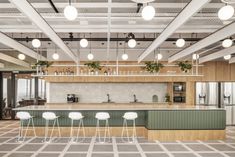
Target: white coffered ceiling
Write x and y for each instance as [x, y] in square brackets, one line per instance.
[99, 18]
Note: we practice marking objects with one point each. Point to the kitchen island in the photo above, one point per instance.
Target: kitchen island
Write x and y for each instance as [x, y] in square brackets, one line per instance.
[156, 121]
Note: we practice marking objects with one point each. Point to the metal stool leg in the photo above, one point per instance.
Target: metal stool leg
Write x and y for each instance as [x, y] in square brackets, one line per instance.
[33, 128]
[46, 131]
[58, 126]
[20, 130]
[71, 130]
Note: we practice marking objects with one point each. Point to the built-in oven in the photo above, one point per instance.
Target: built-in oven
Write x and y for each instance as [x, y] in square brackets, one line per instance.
[179, 99]
[71, 98]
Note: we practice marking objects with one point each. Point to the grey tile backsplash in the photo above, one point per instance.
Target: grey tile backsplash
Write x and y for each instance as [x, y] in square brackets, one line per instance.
[97, 92]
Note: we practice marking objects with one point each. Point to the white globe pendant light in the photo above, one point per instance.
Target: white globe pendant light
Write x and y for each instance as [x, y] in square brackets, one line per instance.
[180, 42]
[55, 56]
[83, 43]
[226, 12]
[227, 43]
[90, 56]
[148, 13]
[159, 56]
[124, 56]
[195, 56]
[70, 12]
[36, 43]
[21, 56]
[227, 57]
[131, 43]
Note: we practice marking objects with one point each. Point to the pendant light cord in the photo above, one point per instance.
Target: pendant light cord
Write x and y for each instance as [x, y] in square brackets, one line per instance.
[69, 2]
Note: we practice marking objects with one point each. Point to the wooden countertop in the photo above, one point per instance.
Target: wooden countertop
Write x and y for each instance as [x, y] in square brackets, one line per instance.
[116, 106]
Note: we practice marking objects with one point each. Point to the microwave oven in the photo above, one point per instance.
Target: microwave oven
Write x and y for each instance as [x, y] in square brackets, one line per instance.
[178, 88]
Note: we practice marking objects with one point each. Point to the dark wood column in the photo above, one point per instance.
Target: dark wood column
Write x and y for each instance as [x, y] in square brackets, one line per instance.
[13, 96]
[1, 95]
[36, 90]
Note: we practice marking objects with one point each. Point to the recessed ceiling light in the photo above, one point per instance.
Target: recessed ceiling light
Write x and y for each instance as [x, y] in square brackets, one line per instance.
[227, 57]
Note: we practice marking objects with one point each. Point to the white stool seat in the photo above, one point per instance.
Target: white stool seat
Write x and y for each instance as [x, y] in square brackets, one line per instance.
[75, 115]
[102, 115]
[130, 115]
[49, 115]
[23, 115]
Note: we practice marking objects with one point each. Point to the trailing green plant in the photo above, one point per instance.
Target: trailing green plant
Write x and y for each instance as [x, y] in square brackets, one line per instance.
[184, 66]
[93, 66]
[153, 67]
[41, 63]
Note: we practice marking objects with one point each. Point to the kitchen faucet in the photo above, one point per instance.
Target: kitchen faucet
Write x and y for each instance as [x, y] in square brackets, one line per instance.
[109, 100]
[135, 100]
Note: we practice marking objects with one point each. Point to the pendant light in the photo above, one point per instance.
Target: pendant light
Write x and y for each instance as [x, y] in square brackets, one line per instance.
[55, 55]
[83, 42]
[90, 56]
[21, 56]
[148, 13]
[70, 12]
[227, 57]
[36, 43]
[180, 42]
[195, 56]
[159, 56]
[226, 12]
[124, 55]
[227, 43]
[131, 42]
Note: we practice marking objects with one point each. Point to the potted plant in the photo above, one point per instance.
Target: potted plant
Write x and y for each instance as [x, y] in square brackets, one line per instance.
[93, 67]
[41, 65]
[153, 67]
[184, 66]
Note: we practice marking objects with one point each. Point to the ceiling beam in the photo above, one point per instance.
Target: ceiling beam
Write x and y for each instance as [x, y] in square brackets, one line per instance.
[13, 60]
[216, 55]
[8, 41]
[25, 7]
[222, 33]
[190, 9]
[232, 60]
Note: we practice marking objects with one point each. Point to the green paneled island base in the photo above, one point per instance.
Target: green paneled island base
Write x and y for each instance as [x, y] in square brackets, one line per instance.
[155, 121]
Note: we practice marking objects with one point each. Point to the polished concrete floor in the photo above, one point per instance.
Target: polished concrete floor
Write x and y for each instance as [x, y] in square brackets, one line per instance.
[9, 147]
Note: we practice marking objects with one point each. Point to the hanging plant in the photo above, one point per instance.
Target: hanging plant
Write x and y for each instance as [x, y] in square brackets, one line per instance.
[184, 66]
[93, 66]
[153, 67]
[41, 63]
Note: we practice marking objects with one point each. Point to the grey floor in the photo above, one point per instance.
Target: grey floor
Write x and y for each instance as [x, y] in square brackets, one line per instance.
[116, 148]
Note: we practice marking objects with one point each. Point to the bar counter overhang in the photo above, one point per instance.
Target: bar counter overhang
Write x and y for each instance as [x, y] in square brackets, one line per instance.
[156, 121]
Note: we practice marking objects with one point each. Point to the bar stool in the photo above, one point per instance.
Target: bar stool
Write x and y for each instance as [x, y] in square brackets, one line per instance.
[79, 117]
[102, 116]
[50, 116]
[24, 117]
[129, 116]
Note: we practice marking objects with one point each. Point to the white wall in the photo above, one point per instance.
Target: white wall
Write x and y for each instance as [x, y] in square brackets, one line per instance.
[97, 92]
